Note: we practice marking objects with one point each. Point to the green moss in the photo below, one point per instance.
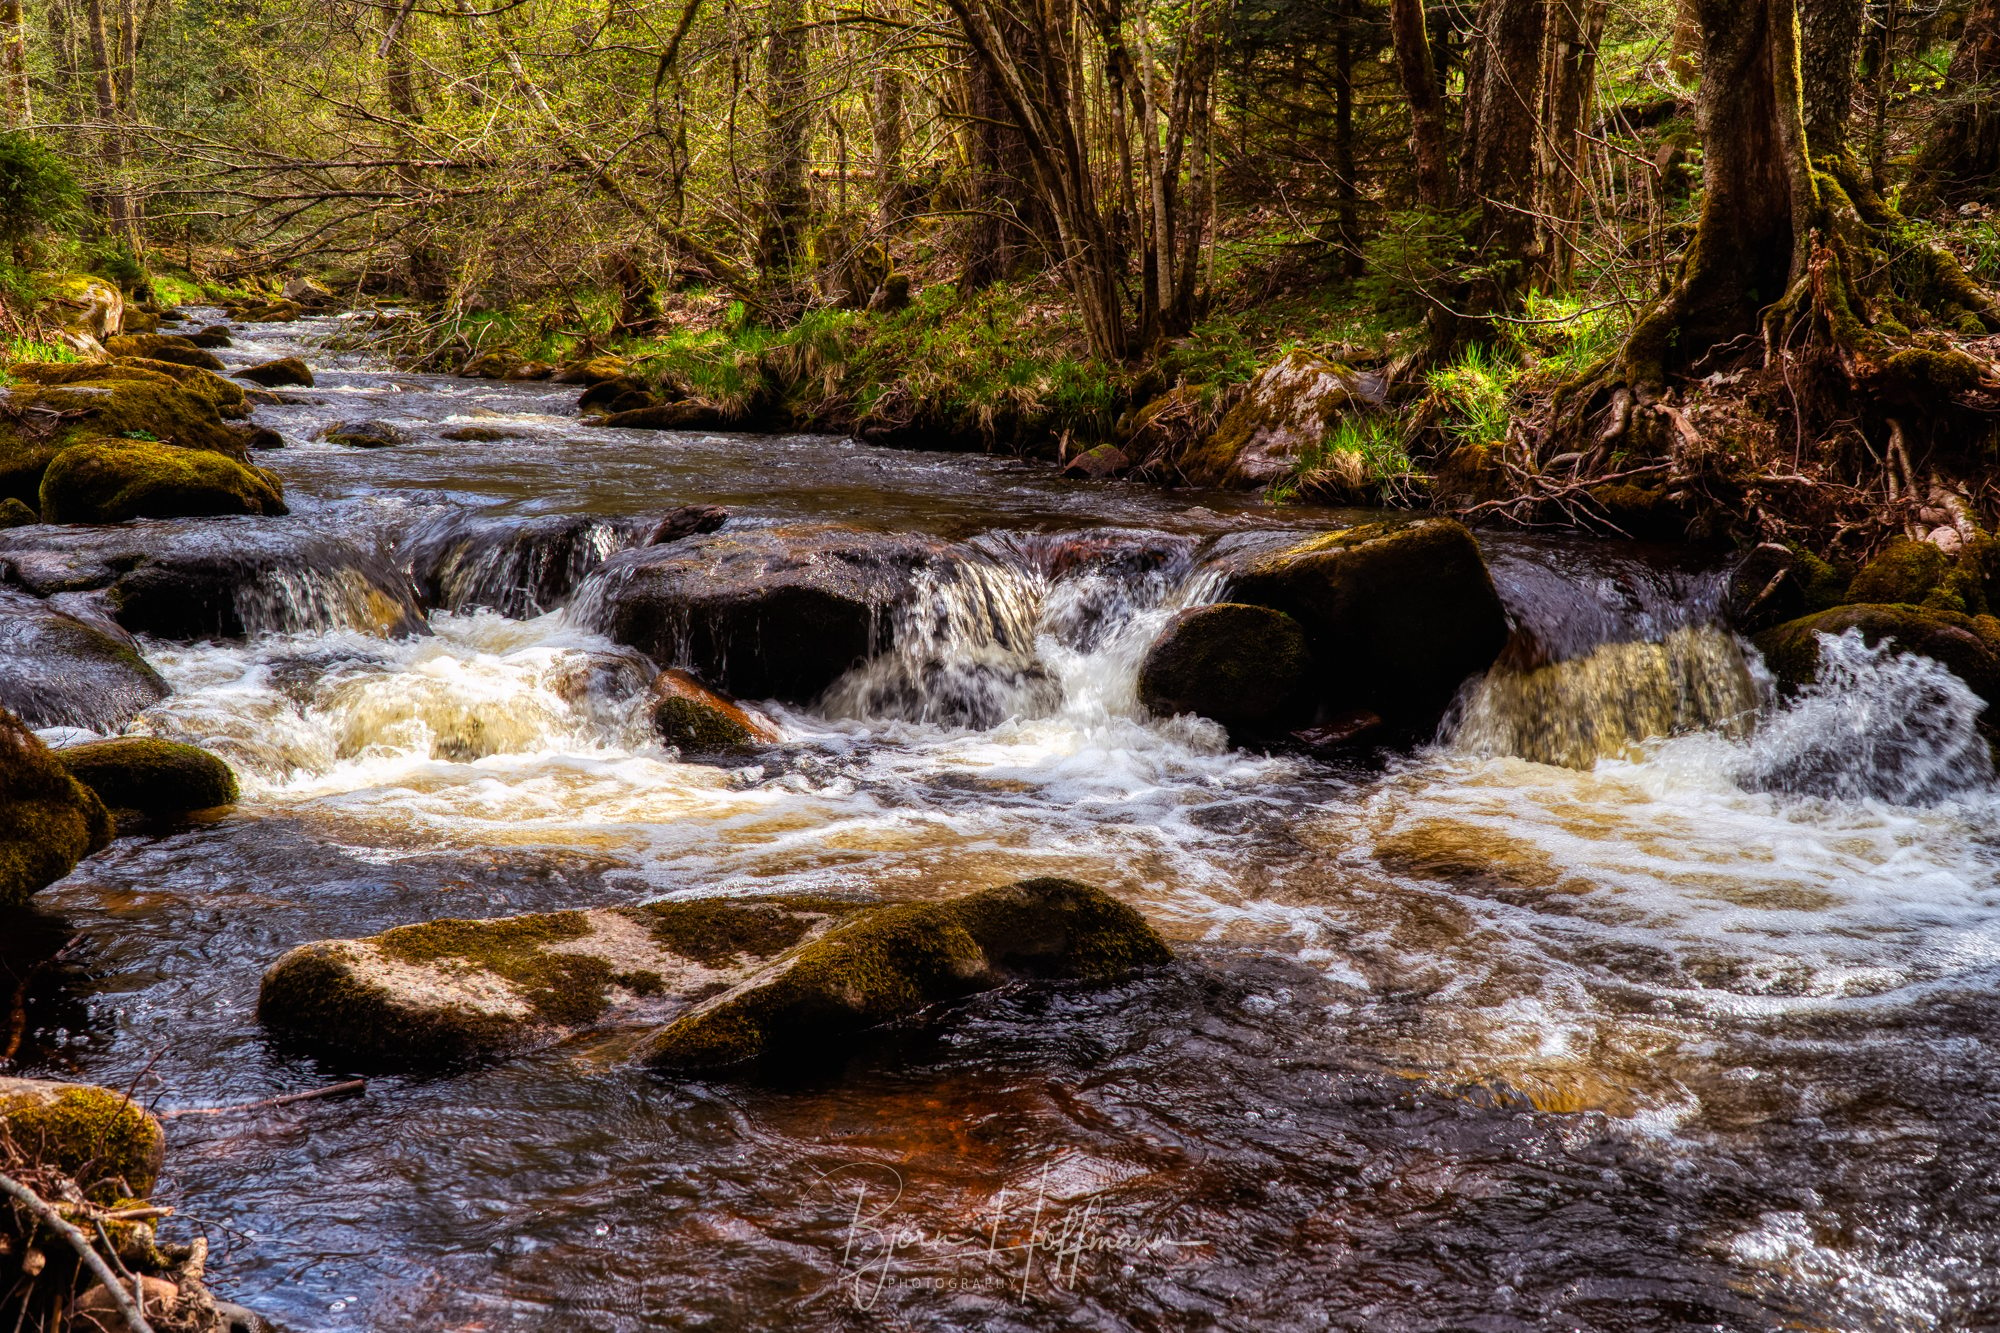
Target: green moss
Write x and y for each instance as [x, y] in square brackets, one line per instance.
[48, 821]
[1905, 571]
[162, 347]
[1821, 584]
[1244, 666]
[893, 961]
[113, 480]
[1921, 372]
[118, 405]
[98, 1137]
[154, 776]
[698, 727]
[569, 989]
[16, 514]
[1968, 645]
[717, 931]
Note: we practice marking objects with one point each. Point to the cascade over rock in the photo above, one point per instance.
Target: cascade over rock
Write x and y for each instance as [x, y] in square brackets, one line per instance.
[57, 671]
[1247, 667]
[1968, 645]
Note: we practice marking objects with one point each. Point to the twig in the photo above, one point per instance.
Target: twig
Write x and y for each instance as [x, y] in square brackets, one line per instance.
[59, 1224]
[333, 1090]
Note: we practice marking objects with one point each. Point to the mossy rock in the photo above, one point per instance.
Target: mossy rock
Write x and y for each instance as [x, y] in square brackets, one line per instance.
[140, 321]
[474, 435]
[621, 393]
[120, 403]
[111, 481]
[1647, 513]
[15, 514]
[1247, 667]
[274, 312]
[529, 370]
[48, 820]
[214, 336]
[365, 434]
[701, 721]
[151, 776]
[594, 370]
[1285, 412]
[1969, 646]
[101, 1139]
[225, 396]
[453, 990]
[1775, 582]
[162, 347]
[1398, 615]
[894, 961]
[487, 366]
[1919, 573]
[85, 305]
[689, 414]
[57, 671]
[286, 370]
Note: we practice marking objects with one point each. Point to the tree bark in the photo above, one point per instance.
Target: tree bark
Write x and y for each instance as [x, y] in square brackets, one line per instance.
[1575, 29]
[787, 123]
[103, 60]
[1424, 91]
[1503, 101]
[1960, 158]
[1001, 178]
[1830, 43]
[14, 53]
[886, 110]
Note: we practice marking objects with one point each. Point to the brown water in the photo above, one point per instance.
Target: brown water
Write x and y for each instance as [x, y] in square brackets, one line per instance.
[1558, 1024]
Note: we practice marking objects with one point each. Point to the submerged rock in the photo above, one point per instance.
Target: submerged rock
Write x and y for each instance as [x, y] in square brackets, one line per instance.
[1247, 667]
[162, 347]
[154, 777]
[219, 579]
[102, 1139]
[894, 961]
[274, 374]
[700, 721]
[1969, 646]
[1398, 615]
[451, 990]
[48, 820]
[111, 481]
[364, 434]
[689, 414]
[777, 613]
[56, 671]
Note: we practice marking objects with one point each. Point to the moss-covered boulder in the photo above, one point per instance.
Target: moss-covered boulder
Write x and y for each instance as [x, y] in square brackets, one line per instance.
[151, 776]
[163, 347]
[593, 370]
[689, 414]
[286, 370]
[1397, 615]
[58, 671]
[1287, 411]
[1965, 579]
[894, 961]
[487, 366]
[365, 434]
[529, 370]
[212, 337]
[1098, 464]
[616, 395]
[765, 613]
[16, 514]
[48, 820]
[280, 311]
[1247, 667]
[123, 402]
[111, 481]
[451, 990]
[85, 307]
[1969, 646]
[700, 721]
[101, 1139]
[225, 397]
[1774, 582]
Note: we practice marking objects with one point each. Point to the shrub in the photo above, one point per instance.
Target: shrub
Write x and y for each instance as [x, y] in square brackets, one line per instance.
[36, 188]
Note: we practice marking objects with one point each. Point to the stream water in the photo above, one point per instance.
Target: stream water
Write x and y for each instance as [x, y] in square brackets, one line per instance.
[1545, 1026]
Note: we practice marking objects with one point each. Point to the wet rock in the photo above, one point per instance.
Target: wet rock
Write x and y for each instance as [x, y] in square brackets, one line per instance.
[1247, 667]
[1288, 409]
[1969, 646]
[102, 1139]
[162, 347]
[1398, 615]
[685, 521]
[487, 366]
[48, 820]
[1106, 460]
[700, 721]
[112, 481]
[274, 312]
[225, 397]
[153, 777]
[529, 370]
[613, 396]
[364, 434]
[274, 374]
[39, 421]
[86, 309]
[308, 292]
[594, 370]
[218, 579]
[520, 567]
[892, 962]
[688, 415]
[212, 337]
[774, 613]
[14, 514]
[263, 437]
[476, 435]
[58, 671]
[138, 320]
[447, 991]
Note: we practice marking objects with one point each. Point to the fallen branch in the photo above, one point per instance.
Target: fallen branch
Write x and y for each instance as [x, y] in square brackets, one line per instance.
[85, 1251]
[332, 1090]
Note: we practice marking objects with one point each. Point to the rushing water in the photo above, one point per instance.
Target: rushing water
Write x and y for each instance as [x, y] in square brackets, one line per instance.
[1639, 1001]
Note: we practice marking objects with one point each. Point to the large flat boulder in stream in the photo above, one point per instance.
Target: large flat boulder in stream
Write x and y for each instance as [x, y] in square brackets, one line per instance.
[48, 820]
[58, 671]
[219, 578]
[1398, 615]
[163, 347]
[765, 613]
[113, 481]
[451, 990]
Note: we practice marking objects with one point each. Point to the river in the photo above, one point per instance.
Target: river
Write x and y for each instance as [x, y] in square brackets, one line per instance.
[1693, 1033]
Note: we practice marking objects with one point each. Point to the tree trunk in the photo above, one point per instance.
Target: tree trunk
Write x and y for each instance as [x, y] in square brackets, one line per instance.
[1503, 101]
[103, 61]
[1002, 184]
[787, 122]
[1575, 28]
[887, 115]
[1424, 91]
[1829, 44]
[14, 53]
[1960, 158]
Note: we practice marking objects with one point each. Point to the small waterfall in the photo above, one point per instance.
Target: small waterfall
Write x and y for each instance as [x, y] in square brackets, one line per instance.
[1603, 704]
[1876, 725]
[307, 600]
[518, 567]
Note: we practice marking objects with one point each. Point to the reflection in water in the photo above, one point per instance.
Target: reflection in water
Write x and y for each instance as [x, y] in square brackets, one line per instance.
[1642, 1000]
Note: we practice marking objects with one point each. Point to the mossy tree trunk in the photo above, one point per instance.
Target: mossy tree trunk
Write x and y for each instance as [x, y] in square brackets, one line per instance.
[1503, 103]
[786, 195]
[1570, 71]
[1424, 91]
[1960, 157]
